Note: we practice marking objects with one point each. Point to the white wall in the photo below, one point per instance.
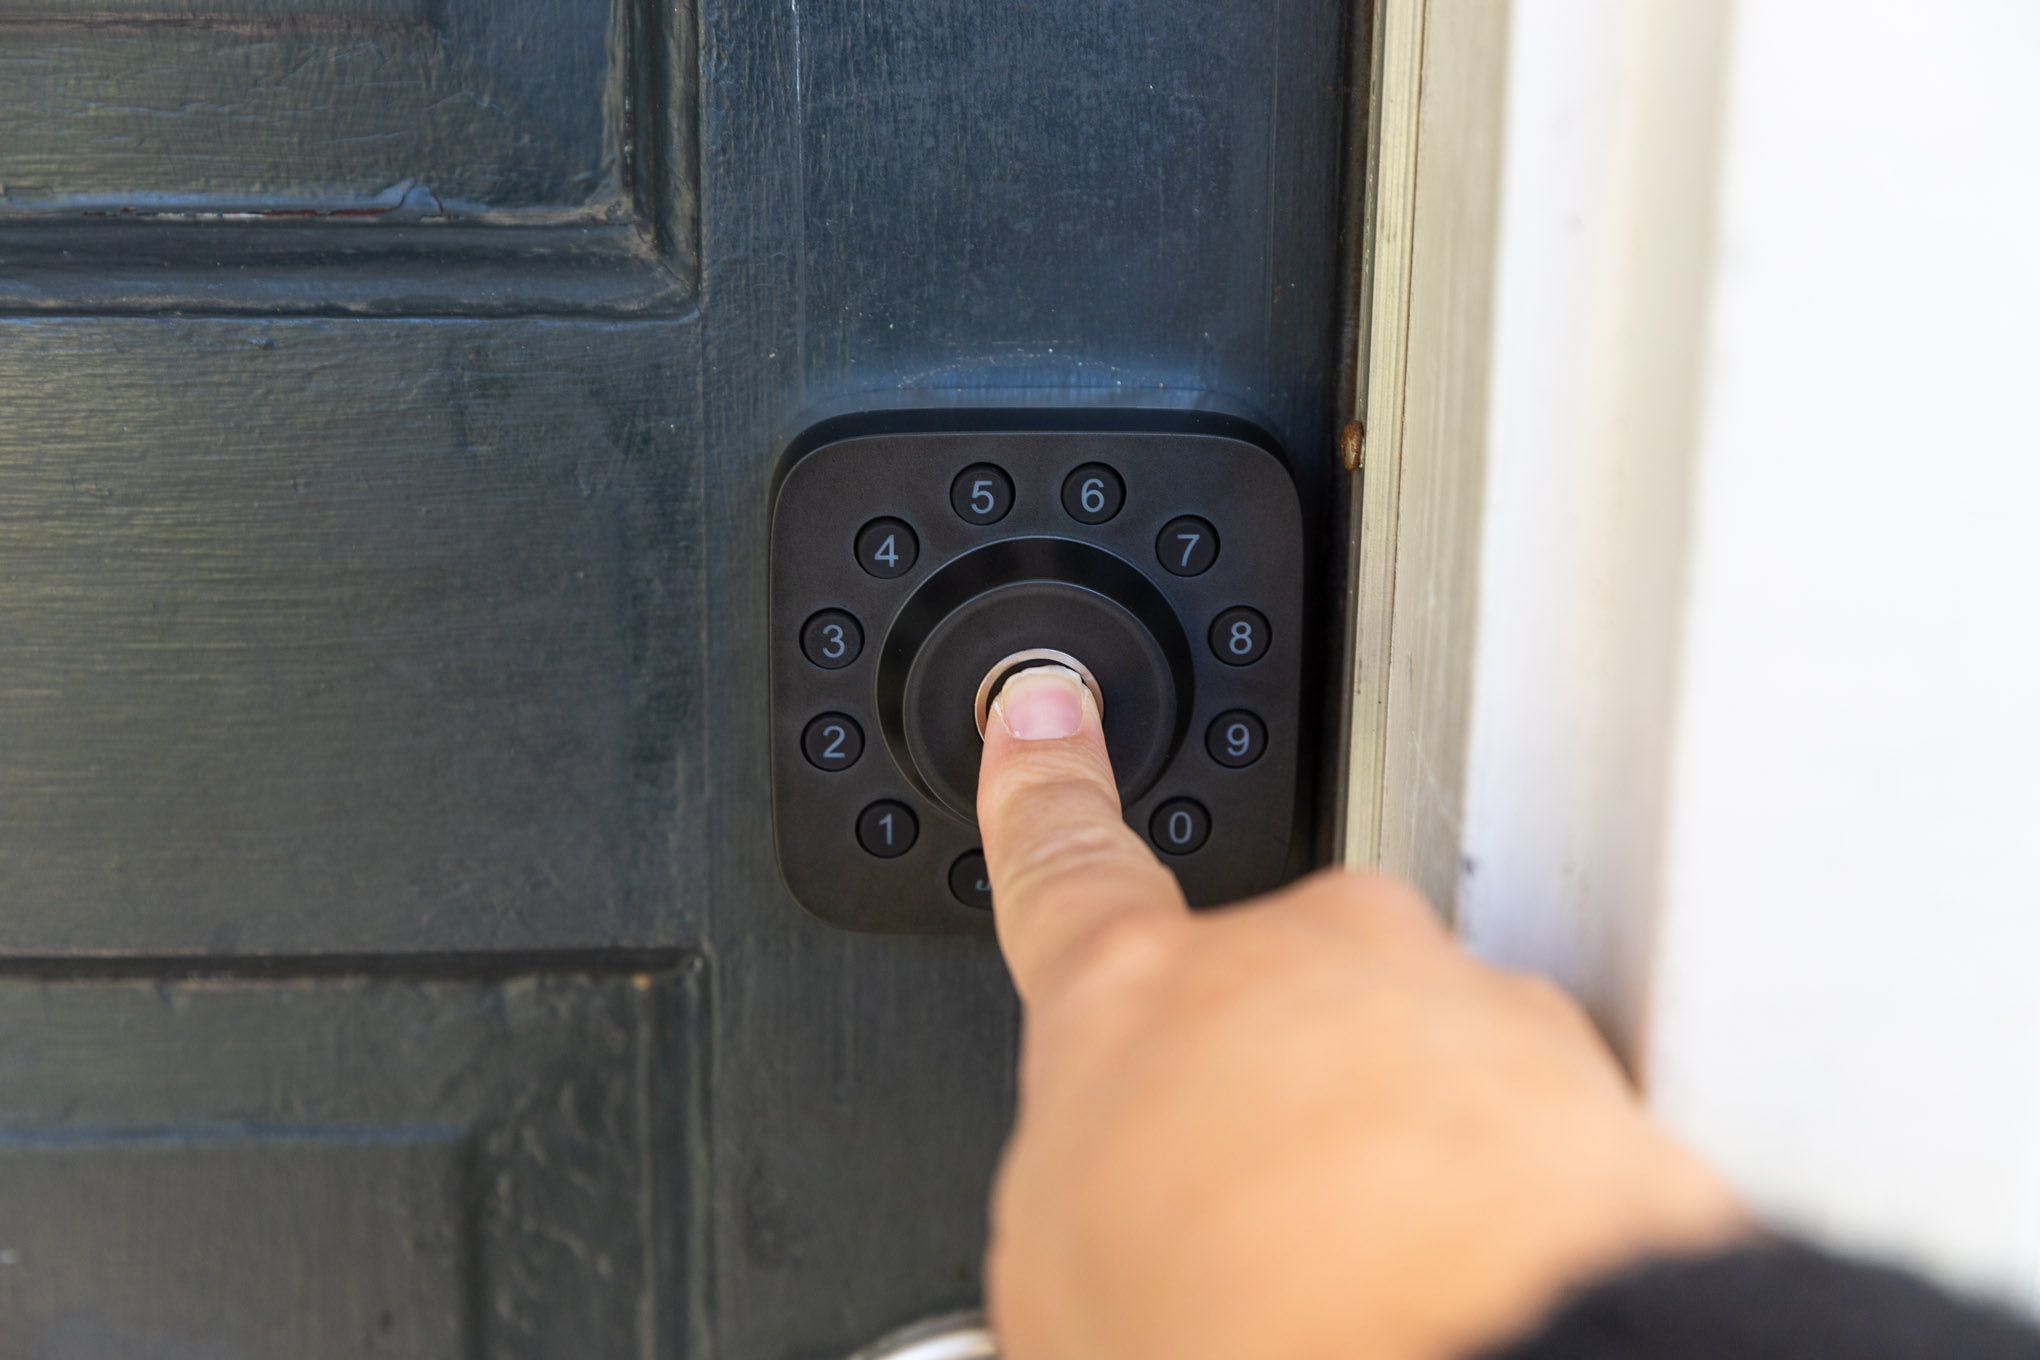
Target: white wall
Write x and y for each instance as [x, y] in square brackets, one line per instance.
[1753, 745]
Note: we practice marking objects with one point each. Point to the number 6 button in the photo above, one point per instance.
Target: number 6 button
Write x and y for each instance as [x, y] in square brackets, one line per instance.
[1093, 494]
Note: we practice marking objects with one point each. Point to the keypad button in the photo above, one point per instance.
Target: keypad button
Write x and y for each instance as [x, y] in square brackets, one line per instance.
[981, 494]
[1236, 739]
[832, 639]
[832, 742]
[1093, 494]
[969, 883]
[887, 548]
[1239, 636]
[887, 829]
[1187, 546]
[1180, 826]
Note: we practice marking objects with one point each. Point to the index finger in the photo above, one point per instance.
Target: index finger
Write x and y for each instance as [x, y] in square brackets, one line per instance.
[1072, 885]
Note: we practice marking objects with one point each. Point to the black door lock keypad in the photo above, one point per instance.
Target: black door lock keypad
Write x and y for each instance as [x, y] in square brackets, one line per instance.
[909, 557]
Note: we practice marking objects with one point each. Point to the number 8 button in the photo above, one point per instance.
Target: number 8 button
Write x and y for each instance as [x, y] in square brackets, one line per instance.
[1239, 636]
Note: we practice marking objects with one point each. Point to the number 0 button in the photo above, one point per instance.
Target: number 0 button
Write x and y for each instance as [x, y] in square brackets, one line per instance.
[981, 494]
[887, 830]
[831, 639]
[833, 741]
[969, 883]
[1239, 636]
[1093, 494]
[1187, 546]
[1180, 826]
[887, 548]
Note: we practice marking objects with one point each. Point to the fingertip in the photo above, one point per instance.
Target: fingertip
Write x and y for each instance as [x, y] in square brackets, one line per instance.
[1044, 703]
[1067, 873]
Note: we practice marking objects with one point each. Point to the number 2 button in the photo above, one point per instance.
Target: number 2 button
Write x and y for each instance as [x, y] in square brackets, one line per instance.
[831, 639]
[833, 741]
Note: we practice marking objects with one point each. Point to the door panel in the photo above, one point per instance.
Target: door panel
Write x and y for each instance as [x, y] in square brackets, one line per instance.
[383, 703]
[338, 1167]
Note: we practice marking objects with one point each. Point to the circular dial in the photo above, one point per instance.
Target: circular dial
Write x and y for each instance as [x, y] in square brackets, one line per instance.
[1015, 595]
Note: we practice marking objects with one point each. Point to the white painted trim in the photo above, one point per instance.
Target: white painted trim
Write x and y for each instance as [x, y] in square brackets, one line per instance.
[1431, 209]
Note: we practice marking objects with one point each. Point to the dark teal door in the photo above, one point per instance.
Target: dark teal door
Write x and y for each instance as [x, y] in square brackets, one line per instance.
[393, 959]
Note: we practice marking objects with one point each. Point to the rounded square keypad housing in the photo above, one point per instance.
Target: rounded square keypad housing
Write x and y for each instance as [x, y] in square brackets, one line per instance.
[912, 554]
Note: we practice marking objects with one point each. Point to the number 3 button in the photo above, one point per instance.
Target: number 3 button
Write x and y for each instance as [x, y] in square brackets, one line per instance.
[831, 639]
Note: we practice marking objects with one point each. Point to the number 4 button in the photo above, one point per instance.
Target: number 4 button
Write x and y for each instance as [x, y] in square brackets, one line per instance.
[887, 548]
[1187, 546]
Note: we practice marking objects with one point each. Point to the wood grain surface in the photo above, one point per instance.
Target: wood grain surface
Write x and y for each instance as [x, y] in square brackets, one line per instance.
[380, 648]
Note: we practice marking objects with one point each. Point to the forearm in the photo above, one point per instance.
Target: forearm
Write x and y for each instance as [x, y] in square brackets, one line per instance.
[1778, 1301]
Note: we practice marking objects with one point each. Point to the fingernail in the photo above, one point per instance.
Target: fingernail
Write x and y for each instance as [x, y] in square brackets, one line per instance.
[1042, 704]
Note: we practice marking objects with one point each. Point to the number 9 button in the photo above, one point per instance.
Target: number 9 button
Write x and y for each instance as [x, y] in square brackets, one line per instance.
[1236, 739]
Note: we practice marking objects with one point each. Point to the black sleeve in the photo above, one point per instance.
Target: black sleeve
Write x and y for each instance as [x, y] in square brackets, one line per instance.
[1773, 1302]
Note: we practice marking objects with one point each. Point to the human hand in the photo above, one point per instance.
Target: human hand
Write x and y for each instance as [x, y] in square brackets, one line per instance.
[1303, 1128]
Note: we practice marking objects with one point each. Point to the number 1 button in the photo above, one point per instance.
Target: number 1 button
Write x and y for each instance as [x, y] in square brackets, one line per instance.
[981, 494]
[887, 830]
[1187, 546]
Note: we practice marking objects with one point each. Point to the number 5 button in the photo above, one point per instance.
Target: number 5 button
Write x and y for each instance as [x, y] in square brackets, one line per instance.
[981, 494]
